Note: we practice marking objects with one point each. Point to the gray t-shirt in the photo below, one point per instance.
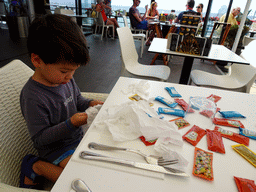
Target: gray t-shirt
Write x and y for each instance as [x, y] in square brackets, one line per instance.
[47, 111]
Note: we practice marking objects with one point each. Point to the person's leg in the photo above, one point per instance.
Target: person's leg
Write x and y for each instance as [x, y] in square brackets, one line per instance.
[110, 22]
[114, 21]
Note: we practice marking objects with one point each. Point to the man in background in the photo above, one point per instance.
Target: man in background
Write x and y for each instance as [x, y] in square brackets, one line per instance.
[231, 18]
[189, 8]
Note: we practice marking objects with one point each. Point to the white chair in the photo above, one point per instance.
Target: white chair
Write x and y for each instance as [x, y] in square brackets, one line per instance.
[247, 40]
[240, 78]
[248, 52]
[130, 58]
[101, 23]
[2, 12]
[15, 141]
[68, 12]
[137, 36]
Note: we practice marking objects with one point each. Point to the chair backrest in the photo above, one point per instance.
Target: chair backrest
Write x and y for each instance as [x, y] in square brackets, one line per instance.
[125, 21]
[245, 74]
[248, 53]
[15, 141]
[99, 19]
[128, 50]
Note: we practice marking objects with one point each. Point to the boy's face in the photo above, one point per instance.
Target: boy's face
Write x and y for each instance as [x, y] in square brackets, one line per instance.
[54, 74]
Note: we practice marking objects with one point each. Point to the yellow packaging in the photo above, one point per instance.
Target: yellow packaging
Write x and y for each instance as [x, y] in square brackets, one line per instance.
[246, 153]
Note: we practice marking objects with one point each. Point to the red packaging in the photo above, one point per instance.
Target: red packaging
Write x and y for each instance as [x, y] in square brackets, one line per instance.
[233, 136]
[245, 185]
[228, 122]
[194, 135]
[214, 141]
[207, 113]
[214, 98]
[148, 143]
[184, 105]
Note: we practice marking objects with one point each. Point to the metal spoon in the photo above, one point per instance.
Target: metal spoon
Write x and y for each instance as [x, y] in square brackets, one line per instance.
[79, 186]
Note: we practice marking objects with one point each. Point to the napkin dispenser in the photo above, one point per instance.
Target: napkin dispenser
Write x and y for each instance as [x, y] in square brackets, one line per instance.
[175, 39]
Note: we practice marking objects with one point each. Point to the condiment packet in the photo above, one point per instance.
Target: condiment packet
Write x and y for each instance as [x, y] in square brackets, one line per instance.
[169, 111]
[169, 103]
[194, 135]
[233, 136]
[203, 164]
[207, 113]
[245, 185]
[231, 114]
[247, 133]
[184, 105]
[136, 97]
[149, 142]
[214, 98]
[172, 91]
[246, 153]
[214, 141]
[180, 122]
[228, 122]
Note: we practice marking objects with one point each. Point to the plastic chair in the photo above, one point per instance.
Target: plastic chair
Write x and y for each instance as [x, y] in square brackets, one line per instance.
[248, 53]
[137, 36]
[15, 141]
[130, 58]
[240, 79]
[2, 12]
[101, 23]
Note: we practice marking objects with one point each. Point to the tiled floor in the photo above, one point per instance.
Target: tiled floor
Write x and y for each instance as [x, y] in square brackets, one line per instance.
[104, 68]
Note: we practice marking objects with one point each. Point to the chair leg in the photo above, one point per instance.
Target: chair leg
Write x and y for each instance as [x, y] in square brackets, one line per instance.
[113, 36]
[141, 46]
[102, 32]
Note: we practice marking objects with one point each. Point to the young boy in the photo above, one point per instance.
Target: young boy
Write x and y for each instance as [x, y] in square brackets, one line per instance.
[50, 101]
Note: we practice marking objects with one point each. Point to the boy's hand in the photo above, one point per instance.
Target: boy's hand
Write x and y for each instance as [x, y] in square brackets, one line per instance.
[95, 102]
[79, 119]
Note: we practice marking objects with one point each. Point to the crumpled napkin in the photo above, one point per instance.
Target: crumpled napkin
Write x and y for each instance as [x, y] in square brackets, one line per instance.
[142, 87]
[136, 118]
[91, 113]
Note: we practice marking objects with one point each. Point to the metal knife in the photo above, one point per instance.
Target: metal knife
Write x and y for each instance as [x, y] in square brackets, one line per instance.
[156, 168]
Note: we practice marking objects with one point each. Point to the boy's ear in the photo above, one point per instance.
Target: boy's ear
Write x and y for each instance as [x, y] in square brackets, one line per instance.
[36, 60]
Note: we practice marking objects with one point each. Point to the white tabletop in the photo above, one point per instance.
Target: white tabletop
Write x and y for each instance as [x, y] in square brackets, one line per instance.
[225, 166]
[217, 52]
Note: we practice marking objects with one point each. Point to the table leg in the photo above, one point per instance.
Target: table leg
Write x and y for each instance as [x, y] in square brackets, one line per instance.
[252, 34]
[186, 69]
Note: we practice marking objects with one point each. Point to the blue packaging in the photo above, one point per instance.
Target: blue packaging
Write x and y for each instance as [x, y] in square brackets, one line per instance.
[172, 91]
[169, 111]
[231, 114]
[247, 133]
[169, 103]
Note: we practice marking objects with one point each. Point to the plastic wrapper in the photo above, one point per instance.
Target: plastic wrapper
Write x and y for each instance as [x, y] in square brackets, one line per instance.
[245, 185]
[184, 105]
[149, 142]
[194, 135]
[246, 153]
[228, 122]
[203, 164]
[207, 113]
[233, 136]
[169, 111]
[214, 141]
[180, 122]
[172, 91]
[169, 103]
[248, 133]
[214, 98]
[231, 114]
[136, 97]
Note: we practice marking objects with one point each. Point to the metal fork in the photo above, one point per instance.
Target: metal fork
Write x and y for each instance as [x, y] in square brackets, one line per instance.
[151, 159]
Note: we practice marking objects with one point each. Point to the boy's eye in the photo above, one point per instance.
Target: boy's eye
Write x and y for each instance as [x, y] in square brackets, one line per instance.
[63, 72]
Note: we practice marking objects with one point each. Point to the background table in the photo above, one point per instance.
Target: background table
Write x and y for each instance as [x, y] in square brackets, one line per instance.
[225, 166]
[217, 53]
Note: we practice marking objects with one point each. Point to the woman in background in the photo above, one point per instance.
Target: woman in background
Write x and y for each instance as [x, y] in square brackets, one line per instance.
[199, 9]
[152, 12]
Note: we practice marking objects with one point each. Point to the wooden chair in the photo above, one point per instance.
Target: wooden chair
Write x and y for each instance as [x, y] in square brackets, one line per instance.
[226, 28]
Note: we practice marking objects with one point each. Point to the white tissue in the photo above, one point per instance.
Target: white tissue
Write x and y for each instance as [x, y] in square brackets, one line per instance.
[142, 87]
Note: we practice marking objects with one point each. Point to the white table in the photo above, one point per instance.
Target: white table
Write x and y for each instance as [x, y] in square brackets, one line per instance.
[217, 53]
[225, 166]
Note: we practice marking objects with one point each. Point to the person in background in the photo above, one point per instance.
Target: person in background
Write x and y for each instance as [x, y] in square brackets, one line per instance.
[108, 11]
[100, 7]
[199, 9]
[189, 7]
[152, 13]
[138, 21]
[231, 18]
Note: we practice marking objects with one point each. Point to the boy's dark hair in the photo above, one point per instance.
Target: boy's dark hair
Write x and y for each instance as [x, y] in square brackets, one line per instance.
[191, 3]
[56, 38]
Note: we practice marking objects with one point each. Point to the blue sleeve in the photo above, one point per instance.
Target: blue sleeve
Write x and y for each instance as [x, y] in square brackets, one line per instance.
[180, 16]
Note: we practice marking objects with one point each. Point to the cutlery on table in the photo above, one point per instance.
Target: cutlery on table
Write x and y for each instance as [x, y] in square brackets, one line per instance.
[79, 186]
[151, 159]
[156, 168]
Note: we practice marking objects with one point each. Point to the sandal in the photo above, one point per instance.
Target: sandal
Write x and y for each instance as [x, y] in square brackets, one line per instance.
[26, 170]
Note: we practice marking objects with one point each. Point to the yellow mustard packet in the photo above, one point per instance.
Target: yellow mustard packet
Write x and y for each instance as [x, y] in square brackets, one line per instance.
[246, 153]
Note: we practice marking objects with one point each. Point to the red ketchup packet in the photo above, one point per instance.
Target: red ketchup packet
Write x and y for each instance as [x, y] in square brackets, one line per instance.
[214, 98]
[194, 135]
[203, 164]
[228, 122]
[148, 143]
[207, 113]
[233, 136]
[245, 185]
[183, 104]
[180, 122]
[214, 141]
